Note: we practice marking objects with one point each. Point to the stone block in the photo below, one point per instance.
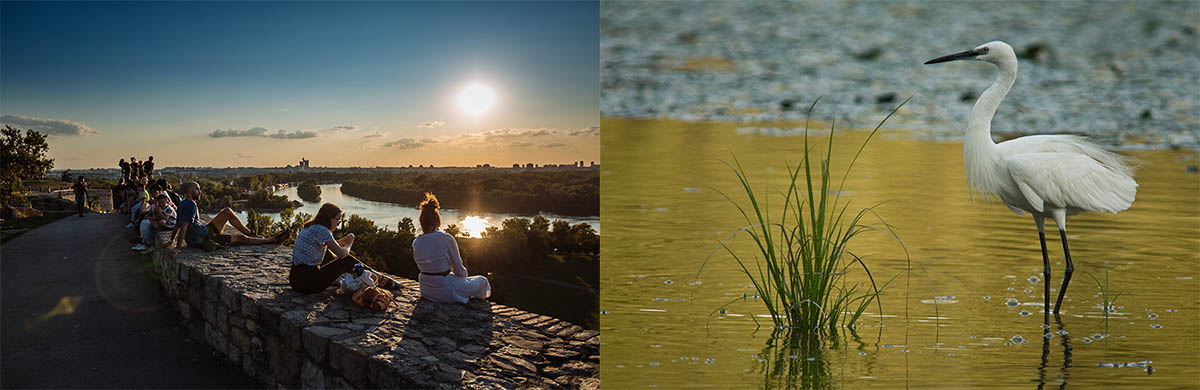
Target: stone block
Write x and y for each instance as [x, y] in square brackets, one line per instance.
[184, 275]
[210, 312]
[311, 376]
[185, 311]
[211, 285]
[285, 364]
[222, 318]
[249, 307]
[316, 340]
[240, 338]
[215, 339]
[236, 320]
[235, 354]
[230, 297]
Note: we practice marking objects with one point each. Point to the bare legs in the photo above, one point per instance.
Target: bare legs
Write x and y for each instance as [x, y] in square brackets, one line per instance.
[227, 215]
[246, 240]
[249, 238]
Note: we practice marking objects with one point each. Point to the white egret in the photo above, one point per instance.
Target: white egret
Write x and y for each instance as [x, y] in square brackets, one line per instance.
[1052, 176]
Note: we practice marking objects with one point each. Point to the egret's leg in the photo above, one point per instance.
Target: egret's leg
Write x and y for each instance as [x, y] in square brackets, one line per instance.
[1066, 273]
[1041, 226]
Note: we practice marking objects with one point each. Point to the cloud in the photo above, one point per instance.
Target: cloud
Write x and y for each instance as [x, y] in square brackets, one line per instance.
[344, 128]
[240, 155]
[517, 133]
[298, 134]
[48, 126]
[520, 144]
[404, 144]
[251, 132]
[552, 145]
[374, 135]
[593, 130]
[430, 125]
[262, 132]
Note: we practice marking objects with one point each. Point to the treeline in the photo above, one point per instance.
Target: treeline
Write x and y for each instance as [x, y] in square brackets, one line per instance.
[515, 257]
[241, 193]
[575, 193]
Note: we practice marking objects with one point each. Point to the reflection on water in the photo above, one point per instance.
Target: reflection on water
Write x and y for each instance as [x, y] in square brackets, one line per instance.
[954, 321]
[388, 215]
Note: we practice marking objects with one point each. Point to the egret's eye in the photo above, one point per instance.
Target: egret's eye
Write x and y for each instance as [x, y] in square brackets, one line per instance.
[983, 50]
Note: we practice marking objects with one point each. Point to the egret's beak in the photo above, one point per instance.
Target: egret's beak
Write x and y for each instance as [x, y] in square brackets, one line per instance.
[966, 55]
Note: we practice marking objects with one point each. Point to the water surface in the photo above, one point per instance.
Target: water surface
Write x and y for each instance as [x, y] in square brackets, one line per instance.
[388, 215]
[945, 324]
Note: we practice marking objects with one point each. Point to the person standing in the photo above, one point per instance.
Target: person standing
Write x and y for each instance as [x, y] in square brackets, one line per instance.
[133, 168]
[124, 169]
[148, 167]
[81, 188]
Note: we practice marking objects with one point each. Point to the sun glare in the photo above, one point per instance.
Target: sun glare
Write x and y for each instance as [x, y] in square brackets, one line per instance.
[476, 99]
[474, 226]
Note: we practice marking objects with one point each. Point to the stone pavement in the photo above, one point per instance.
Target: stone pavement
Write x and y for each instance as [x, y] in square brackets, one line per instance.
[78, 309]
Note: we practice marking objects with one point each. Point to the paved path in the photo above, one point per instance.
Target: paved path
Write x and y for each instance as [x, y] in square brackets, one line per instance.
[78, 309]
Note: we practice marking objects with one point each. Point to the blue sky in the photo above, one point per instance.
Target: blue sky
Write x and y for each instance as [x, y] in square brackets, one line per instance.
[110, 80]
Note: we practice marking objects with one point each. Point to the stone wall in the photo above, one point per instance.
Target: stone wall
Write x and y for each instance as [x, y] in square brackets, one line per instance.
[237, 301]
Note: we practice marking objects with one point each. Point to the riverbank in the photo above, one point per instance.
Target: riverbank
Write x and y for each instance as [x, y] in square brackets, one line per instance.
[1122, 73]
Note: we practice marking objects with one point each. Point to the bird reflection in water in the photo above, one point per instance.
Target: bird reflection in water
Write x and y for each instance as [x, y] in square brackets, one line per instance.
[1063, 335]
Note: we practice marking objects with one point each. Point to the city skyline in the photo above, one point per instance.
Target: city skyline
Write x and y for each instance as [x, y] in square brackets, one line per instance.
[259, 84]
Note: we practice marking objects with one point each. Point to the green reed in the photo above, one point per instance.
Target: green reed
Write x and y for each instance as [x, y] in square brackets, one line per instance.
[1106, 305]
[802, 258]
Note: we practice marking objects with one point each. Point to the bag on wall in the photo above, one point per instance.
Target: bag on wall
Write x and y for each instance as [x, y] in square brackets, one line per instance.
[373, 298]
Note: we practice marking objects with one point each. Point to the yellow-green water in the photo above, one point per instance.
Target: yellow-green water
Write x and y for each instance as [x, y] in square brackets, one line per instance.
[662, 218]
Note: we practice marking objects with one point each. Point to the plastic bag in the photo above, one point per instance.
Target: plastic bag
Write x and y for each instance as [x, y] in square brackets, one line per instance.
[357, 279]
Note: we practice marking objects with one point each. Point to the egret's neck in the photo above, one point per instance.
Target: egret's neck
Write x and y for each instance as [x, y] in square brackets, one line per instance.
[979, 127]
[979, 152]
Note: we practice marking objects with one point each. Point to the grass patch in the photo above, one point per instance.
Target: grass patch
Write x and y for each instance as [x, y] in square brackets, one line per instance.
[802, 257]
[1107, 304]
[11, 228]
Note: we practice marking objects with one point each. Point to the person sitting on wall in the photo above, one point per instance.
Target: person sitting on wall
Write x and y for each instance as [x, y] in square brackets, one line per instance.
[161, 217]
[318, 259]
[197, 235]
[166, 186]
[140, 205]
[443, 277]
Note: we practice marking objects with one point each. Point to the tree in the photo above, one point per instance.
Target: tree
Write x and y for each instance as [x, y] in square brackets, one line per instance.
[406, 225]
[309, 191]
[21, 157]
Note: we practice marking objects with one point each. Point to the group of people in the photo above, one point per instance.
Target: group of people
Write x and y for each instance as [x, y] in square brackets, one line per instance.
[133, 169]
[318, 259]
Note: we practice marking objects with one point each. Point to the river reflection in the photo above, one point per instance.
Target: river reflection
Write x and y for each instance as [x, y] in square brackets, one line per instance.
[388, 215]
[968, 312]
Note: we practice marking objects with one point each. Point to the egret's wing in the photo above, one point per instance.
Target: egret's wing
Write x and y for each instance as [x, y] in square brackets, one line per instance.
[1062, 180]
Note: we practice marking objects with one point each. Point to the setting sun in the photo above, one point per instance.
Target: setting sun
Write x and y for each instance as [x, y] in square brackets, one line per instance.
[474, 226]
[476, 99]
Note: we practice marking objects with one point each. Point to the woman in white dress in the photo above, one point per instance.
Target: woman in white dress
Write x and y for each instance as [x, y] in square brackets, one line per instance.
[443, 277]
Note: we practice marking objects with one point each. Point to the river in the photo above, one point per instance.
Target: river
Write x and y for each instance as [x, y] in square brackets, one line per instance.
[945, 324]
[388, 215]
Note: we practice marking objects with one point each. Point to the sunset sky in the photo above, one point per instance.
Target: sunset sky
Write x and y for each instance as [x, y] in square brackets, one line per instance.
[264, 84]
